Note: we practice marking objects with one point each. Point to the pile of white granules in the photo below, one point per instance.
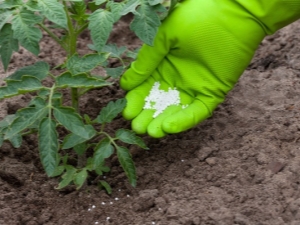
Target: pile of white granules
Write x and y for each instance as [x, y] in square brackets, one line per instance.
[159, 100]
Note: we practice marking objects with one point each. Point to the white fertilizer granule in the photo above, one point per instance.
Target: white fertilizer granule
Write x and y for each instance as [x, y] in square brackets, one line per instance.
[159, 100]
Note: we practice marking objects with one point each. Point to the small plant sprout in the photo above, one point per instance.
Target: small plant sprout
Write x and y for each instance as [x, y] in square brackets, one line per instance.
[57, 90]
[159, 100]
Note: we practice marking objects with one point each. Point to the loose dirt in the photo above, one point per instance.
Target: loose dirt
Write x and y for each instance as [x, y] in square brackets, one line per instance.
[242, 166]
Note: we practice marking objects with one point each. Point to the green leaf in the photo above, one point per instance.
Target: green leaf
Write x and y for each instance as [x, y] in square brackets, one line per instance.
[116, 9]
[44, 93]
[68, 177]
[9, 4]
[80, 81]
[27, 84]
[102, 151]
[80, 178]
[101, 24]
[48, 145]
[37, 102]
[7, 44]
[130, 137]
[58, 171]
[54, 11]
[106, 186]
[77, 65]
[24, 30]
[7, 121]
[99, 2]
[72, 140]
[114, 50]
[16, 140]
[71, 121]
[145, 23]
[38, 70]
[108, 113]
[81, 148]
[5, 16]
[26, 117]
[115, 72]
[78, 9]
[132, 54]
[127, 164]
[154, 2]
[130, 6]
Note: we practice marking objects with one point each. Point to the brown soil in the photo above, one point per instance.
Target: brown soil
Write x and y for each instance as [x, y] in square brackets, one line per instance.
[242, 166]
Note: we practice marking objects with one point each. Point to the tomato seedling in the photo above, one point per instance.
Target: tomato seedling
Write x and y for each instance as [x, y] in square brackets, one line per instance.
[21, 24]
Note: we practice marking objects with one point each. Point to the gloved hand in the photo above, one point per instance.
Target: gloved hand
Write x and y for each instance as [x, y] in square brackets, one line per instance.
[201, 49]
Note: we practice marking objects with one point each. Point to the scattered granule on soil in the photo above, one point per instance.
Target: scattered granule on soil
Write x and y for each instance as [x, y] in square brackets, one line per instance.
[159, 100]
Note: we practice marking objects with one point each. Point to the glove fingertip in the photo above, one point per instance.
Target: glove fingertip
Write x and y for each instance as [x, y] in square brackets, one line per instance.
[186, 118]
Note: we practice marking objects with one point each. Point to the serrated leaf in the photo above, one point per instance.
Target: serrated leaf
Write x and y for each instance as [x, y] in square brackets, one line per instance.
[145, 23]
[116, 9]
[154, 2]
[99, 2]
[5, 16]
[7, 121]
[16, 140]
[72, 140]
[102, 151]
[161, 11]
[32, 5]
[48, 145]
[27, 84]
[100, 25]
[81, 148]
[114, 50]
[58, 171]
[24, 30]
[130, 6]
[9, 4]
[78, 8]
[71, 121]
[108, 113]
[26, 117]
[77, 65]
[80, 81]
[115, 72]
[68, 177]
[130, 137]
[38, 70]
[100, 169]
[54, 11]
[7, 44]
[43, 93]
[37, 102]
[80, 178]
[106, 186]
[127, 164]
[132, 54]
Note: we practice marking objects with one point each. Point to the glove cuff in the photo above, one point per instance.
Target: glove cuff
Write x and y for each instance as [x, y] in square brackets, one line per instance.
[272, 14]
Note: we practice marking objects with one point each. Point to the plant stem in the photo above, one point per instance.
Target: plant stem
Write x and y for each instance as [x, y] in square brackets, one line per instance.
[52, 35]
[72, 39]
[81, 161]
[75, 99]
[81, 29]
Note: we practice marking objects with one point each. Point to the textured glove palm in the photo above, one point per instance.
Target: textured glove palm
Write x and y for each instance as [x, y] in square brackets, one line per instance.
[202, 48]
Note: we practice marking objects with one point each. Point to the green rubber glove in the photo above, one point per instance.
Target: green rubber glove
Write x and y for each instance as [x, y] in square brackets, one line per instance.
[201, 49]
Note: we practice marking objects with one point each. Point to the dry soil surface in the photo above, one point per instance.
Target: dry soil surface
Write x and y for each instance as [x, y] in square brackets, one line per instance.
[242, 166]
